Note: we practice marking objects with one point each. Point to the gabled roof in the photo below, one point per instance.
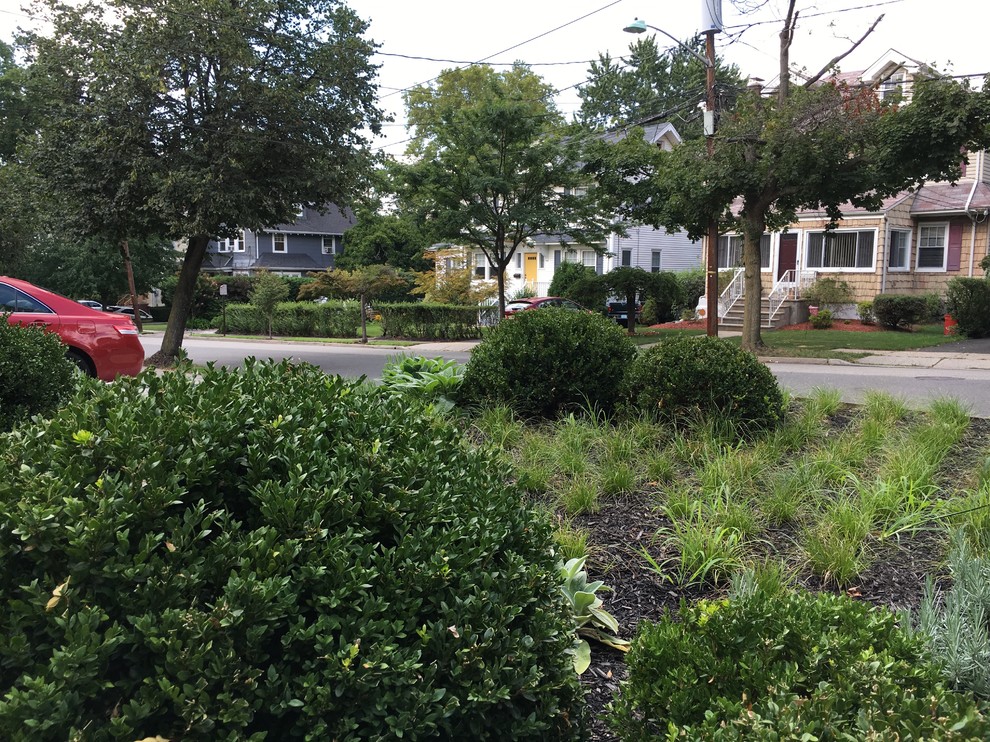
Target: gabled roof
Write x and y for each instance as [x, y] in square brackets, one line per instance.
[891, 59]
[334, 221]
[287, 262]
[660, 133]
[945, 198]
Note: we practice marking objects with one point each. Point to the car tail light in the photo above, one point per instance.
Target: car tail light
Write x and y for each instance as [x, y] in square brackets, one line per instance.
[126, 329]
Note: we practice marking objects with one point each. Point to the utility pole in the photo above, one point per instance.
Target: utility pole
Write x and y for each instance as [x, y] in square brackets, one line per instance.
[711, 24]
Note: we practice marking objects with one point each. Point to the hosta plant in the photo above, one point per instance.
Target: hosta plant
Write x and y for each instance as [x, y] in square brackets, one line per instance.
[593, 621]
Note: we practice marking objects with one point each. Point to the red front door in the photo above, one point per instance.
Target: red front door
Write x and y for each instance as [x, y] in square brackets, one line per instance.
[786, 254]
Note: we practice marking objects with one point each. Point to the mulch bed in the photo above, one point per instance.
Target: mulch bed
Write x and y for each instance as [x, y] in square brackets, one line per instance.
[895, 577]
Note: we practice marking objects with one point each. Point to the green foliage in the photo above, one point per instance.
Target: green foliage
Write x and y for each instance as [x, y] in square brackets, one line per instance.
[822, 320]
[828, 291]
[334, 319]
[899, 312]
[592, 621]
[517, 164]
[267, 292]
[35, 375]
[683, 378]
[968, 301]
[692, 288]
[579, 283]
[425, 320]
[272, 553]
[629, 284]
[865, 311]
[548, 361]
[775, 664]
[664, 291]
[432, 379]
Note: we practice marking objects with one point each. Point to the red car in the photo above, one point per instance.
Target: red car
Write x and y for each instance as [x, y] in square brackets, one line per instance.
[542, 302]
[102, 345]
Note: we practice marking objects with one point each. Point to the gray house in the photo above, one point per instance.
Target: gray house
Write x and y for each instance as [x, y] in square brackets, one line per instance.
[310, 243]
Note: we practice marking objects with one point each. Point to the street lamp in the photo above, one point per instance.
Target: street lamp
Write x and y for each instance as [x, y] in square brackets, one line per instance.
[713, 24]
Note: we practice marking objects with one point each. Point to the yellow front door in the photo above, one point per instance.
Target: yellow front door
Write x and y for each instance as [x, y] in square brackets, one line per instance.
[530, 270]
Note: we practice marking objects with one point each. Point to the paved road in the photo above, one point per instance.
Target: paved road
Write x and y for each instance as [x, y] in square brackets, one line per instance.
[916, 384]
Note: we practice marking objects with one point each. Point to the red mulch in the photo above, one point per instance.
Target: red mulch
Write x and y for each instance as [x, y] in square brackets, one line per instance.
[847, 325]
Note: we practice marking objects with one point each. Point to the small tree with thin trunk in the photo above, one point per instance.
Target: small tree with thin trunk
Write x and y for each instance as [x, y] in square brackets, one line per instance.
[363, 284]
[268, 290]
[629, 283]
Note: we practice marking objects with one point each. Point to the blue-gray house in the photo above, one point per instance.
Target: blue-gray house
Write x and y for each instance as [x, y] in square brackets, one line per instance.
[310, 243]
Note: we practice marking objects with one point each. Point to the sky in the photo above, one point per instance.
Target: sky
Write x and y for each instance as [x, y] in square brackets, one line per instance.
[420, 38]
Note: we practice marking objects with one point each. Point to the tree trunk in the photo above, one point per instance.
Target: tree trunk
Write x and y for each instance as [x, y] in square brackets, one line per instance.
[501, 290]
[631, 313]
[753, 228]
[182, 302]
[364, 322]
[125, 250]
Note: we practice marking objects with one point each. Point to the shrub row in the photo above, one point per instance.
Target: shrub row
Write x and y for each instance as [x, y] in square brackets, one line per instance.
[787, 665]
[333, 319]
[272, 553]
[438, 321]
[897, 311]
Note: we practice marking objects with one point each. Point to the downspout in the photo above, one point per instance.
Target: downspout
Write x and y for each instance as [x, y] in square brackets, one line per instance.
[885, 253]
[969, 201]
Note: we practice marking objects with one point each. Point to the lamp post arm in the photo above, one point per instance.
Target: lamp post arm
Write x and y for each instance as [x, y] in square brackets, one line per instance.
[704, 60]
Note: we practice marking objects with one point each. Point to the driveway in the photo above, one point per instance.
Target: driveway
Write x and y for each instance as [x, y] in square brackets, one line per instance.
[977, 345]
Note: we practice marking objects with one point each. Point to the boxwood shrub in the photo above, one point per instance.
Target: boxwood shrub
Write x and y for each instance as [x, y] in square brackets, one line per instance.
[899, 312]
[787, 666]
[685, 378]
[35, 375]
[271, 554]
[544, 361]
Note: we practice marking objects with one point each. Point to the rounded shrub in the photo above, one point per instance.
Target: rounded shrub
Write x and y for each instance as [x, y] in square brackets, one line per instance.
[791, 665]
[272, 554]
[683, 378]
[35, 375]
[544, 361]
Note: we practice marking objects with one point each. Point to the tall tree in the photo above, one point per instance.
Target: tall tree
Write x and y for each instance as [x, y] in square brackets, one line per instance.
[496, 165]
[653, 82]
[205, 118]
[817, 146]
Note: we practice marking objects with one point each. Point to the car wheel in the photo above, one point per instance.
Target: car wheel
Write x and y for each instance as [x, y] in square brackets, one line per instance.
[81, 362]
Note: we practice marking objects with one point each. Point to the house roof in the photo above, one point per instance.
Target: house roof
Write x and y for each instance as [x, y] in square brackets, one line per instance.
[286, 262]
[946, 198]
[660, 133]
[216, 262]
[333, 221]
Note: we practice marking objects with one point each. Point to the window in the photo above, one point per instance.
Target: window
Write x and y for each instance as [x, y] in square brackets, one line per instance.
[626, 258]
[898, 250]
[518, 260]
[730, 251]
[331, 244]
[541, 259]
[589, 258]
[12, 300]
[893, 86]
[278, 243]
[849, 250]
[655, 261]
[570, 256]
[931, 246]
[480, 265]
[235, 244]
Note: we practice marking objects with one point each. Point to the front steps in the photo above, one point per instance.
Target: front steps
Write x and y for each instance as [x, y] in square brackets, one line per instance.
[788, 314]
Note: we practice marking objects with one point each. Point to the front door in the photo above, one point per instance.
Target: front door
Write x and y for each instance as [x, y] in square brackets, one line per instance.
[786, 254]
[530, 269]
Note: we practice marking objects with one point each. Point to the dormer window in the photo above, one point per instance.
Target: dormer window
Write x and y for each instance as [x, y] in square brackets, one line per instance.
[231, 244]
[893, 86]
[331, 244]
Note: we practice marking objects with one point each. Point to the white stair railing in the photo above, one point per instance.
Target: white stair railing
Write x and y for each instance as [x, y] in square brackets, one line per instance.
[784, 288]
[732, 292]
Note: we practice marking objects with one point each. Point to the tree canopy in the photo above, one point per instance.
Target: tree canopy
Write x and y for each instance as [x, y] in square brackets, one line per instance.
[654, 83]
[820, 146]
[497, 165]
[198, 120]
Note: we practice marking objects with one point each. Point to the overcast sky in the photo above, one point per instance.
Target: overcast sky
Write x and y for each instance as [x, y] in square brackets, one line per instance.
[559, 38]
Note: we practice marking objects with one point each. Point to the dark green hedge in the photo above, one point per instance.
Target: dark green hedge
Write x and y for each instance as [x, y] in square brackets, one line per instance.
[968, 301]
[35, 375]
[333, 319]
[898, 311]
[788, 666]
[545, 361]
[272, 554]
[423, 320]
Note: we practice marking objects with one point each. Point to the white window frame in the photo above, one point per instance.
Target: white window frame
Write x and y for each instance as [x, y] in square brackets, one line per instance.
[656, 261]
[922, 228]
[480, 261]
[278, 237]
[908, 238]
[625, 258]
[231, 244]
[333, 249]
[836, 269]
[591, 255]
[739, 239]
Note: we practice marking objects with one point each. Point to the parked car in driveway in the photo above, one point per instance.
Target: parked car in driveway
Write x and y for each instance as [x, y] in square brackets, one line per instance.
[619, 311]
[129, 311]
[542, 302]
[100, 344]
[91, 304]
